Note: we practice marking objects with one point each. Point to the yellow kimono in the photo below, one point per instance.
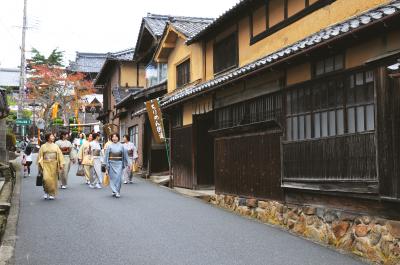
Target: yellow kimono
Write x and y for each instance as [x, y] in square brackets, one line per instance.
[50, 159]
[85, 156]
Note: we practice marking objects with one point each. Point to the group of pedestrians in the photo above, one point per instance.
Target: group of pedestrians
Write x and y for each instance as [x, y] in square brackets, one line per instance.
[116, 159]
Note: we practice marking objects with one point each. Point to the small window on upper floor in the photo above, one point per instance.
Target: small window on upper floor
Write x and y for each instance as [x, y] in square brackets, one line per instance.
[155, 73]
[183, 74]
[330, 64]
[226, 53]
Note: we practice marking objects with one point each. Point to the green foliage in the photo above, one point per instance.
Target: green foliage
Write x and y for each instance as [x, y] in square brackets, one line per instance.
[11, 117]
[55, 58]
[58, 121]
[11, 101]
[26, 114]
[38, 58]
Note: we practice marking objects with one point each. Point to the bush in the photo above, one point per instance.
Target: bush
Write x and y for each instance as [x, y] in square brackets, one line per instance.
[11, 141]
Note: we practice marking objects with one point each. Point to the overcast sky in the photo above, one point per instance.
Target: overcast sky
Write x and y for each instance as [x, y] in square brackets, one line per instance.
[87, 25]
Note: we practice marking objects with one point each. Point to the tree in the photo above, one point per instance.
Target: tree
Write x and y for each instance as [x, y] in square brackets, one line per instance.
[55, 58]
[55, 89]
[26, 114]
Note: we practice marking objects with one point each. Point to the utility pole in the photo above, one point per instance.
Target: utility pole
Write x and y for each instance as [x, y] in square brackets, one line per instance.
[22, 70]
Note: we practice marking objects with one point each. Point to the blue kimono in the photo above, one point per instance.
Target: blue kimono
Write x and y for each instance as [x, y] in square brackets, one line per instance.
[116, 159]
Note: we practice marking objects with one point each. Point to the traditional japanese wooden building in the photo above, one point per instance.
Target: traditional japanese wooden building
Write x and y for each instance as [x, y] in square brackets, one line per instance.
[191, 144]
[152, 156]
[301, 101]
[118, 78]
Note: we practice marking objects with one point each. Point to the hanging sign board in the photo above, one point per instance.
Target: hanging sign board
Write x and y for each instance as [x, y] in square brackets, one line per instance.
[156, 121]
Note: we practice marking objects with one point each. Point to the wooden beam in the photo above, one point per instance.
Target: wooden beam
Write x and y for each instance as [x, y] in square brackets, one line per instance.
[167, 45]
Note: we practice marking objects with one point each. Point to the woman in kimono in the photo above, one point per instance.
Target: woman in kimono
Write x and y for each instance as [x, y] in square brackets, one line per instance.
[96, 176]
[132, 157]
[78, 142]
[69, 157]
[50, 161]
[116, 159]
[85, 158]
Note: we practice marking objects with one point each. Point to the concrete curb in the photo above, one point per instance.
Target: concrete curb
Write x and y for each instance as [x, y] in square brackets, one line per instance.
[7, 248]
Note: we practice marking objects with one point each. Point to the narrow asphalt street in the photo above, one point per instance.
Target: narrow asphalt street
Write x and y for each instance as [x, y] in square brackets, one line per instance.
[149, 225]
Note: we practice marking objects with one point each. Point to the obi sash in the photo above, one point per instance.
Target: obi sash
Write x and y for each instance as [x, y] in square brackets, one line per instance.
[115, 156]
[50, 156]
[96, 152]
[65, 150]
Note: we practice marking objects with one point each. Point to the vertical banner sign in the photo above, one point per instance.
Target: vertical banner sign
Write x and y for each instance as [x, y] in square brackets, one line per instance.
[155, 117]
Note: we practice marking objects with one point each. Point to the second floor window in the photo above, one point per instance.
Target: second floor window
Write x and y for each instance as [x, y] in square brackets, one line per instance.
[183, 74]
[226, 53]
[331, 107]
[155, 74]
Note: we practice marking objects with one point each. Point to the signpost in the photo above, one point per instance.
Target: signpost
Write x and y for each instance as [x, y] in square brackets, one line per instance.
[23, 122]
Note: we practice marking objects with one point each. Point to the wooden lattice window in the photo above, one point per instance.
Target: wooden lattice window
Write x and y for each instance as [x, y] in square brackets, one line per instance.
[332, 107]
[261, 109]
[183, 73]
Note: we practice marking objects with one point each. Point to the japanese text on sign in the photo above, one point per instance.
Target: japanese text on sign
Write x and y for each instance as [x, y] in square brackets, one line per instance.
[155, 117]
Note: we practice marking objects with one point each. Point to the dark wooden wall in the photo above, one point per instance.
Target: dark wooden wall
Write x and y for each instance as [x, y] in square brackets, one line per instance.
[159, 160]
[249, 165]
[182, 157]
[204, 149]
[388, 99]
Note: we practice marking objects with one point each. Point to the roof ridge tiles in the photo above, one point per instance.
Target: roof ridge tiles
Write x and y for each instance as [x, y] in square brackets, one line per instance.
[168, 16]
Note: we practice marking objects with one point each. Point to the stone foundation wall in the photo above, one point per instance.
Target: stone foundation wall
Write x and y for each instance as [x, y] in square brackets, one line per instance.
[373, 238]
[6, 191]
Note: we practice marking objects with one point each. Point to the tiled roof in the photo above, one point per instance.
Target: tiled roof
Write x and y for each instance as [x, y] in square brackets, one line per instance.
[156, 23]
[124, 55]
[121, 93]
[86, 62]
[90, 98]
[187, 25]
[322, 36]
[9, 77]
[190, 26]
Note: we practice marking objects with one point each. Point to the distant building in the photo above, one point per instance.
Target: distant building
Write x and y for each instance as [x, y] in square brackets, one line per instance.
[88, 63]
[9, 79]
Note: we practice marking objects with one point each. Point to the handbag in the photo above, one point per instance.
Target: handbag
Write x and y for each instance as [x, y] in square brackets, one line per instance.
[39, 179]
[135, 167]
[23, 162]
[81, 171]
[106, 180]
